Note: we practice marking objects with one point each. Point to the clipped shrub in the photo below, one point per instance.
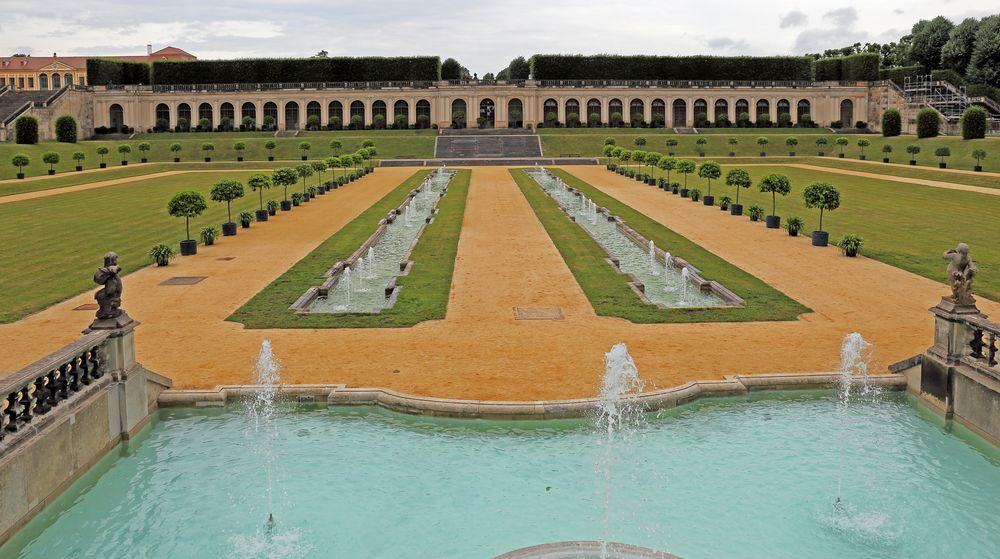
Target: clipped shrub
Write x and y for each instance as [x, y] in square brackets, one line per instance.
[892, 122]
[269, 70]
[635, 67]
[26, 130]
[66, 129]
[928, 123]
[973, 123]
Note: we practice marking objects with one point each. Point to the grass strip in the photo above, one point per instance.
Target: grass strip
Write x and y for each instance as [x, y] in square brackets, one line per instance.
[424, 294]
[606, 288]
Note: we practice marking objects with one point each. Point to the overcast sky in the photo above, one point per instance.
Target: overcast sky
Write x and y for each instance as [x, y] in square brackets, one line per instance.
[482, 36]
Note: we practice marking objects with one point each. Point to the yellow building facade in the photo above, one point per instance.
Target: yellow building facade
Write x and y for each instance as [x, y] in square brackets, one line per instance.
[41, 73]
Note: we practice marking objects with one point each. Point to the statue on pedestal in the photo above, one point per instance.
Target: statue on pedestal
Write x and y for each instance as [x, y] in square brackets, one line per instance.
[109, 297]
[961, 271]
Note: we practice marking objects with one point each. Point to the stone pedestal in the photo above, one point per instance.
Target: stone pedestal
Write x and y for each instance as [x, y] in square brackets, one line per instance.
[952, 341]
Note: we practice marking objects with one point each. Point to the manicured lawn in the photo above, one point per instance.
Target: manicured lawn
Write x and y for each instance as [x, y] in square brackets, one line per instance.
[424, 294]
[905, 225]
[389, 146]
[606, 288]
[52, 244]
[590, 145]
[926, 173]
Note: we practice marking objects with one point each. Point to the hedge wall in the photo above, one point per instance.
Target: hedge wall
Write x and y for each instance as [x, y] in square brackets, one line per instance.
[102, 71]
[269, 70]
[900, 73]
[855, 67]
[829, 69]
[641, 67]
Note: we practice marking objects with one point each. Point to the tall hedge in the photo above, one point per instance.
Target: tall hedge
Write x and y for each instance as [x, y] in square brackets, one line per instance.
[26, 130]
[271, 70]
[928, 123]
[855, 67]
[66, 129]
[900, 73]
[643, 67]
[892, 122]
[829, 69]
[102, 71]
[974, 123]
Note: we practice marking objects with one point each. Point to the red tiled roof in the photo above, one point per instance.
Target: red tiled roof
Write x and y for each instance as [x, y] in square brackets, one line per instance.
[39, 62]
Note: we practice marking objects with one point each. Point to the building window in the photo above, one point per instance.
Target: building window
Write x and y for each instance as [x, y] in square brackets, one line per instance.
[43, 81]
[31, 83]
[68, 78]
[56, 81]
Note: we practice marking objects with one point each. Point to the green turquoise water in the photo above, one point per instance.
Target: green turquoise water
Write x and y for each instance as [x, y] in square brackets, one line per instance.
[723, 479]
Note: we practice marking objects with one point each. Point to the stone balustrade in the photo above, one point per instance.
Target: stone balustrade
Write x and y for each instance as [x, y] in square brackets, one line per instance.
[984, 345]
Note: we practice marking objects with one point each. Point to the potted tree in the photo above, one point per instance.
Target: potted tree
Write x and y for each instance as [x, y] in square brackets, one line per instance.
[320, 167]
[739, 178]
[20, 161]
[102, 151]
[702, 142]
[942, 152]
[821, 143]
[709, 170]
[303, 171]
[50, 158]
[762, 142]
[824, 196]
[285, 177]
[304, 147]
[791, 142]
[978, 154]
[667, 164]
[246, 218]
[124, 150]
[269, 122]
[246, 124]
[842, 143]
[652, 160]
[144, 148]
[208, 148]
[850, 245]
[671, 144]
[162, 254]
[913, 150]
[793, 225]
[259, 182]
[175, 148]
[239, 147]
[336, 146]
[79, 156]
[685, 167]
[269, 146]
[733, 141]
[639, 157]
[863, 143]
[775, 183]
[226, 191]
[332, 163]
[886, 151]
[187, 204]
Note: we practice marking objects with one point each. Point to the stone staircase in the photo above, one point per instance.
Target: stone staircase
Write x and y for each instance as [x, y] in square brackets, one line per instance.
[490, 143]
[12, 102]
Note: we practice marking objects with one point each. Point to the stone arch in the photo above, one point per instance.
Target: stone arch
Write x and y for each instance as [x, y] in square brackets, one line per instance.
[616, 112]
[594, 108]
[314, 109]
[184, 113]
[803, 108]
[550, 111]
[846, 113]
[248, 109]
[56, 81]
[291, 115]
[572, 107]
[116, 116]
[379, 109]
[205, 113]
[701, 115]
[335, 110]
[459, 113]
[721, 110]
[783, 108]
[763, 107]
[742, 107]
[658, 109]
[68, 79]
[488, 112]
[43, 81]
[679, 113]
[637, 111]
[357, 109]
[161, 115]
[423, 110]
[227, 110]
[515, 113]
[270, 115]
[401, 109]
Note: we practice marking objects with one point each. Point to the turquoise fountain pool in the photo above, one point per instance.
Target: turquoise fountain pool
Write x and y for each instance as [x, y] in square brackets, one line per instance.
[721, 479]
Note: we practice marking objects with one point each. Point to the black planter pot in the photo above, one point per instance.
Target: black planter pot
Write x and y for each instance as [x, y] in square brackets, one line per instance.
[793, 232]
[296, 202]
[52, 171]
[322, 190]
[305, 157]
[286, 205]
[272, 212]
[79, 168]
[228, 229]
[978, 168]
[239, 158]
[861, 157]
[104, 165]
[676, 191]
[791, 154]
[732, 154]
[885, 160]
[708, 200]
[245, 224]
[821, 154]
[820, 238]
[723, 208]
[639, 178]
[684, 193]
[261, 215]
[189, 247]
[773, 221]
[124, 163]
[701, 154]
[736, 209]
[670, 153]
[177, 160]
[840, 155]
[306, 197]
[143, 160]
[651, 181]
[942, 165]
[913, 162]
[208, 160]
[20, 175]
[850, 253]
[763, 154]
[270, 158]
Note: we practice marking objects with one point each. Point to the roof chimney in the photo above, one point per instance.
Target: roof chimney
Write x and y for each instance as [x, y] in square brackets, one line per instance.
[149, 50]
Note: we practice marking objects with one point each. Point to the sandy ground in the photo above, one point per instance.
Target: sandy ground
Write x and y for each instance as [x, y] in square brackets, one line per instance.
[505, 259]
[893, 178]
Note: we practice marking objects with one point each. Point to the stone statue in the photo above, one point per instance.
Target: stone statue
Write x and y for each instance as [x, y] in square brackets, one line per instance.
[961, 271]
[110, 296]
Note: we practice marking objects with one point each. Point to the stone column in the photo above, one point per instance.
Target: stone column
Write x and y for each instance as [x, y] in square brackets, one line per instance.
[605, 113]
[647, 109]
[689, 111]
[561, 110]
[281, 115]
[369, 110]
[411, 113]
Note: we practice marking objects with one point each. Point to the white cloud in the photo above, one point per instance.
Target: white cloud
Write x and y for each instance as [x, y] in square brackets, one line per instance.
[793, 19]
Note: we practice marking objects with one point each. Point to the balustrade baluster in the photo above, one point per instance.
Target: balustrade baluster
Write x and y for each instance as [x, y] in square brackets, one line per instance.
[53, 387]
[977, 343]
[96, 364]
[992, 350]
[85, 368]
[27, 403]
[74, 374]
[63, 382]
[42, 393]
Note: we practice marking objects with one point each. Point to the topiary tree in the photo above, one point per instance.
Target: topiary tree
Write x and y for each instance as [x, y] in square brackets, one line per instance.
[863, 143]
[333, 163]
[886, 152]
[738, 178]
[226, 191]
[776, 184]
[826, 197]
[102, 151]
[334, 123]
[259, 182]
[269, 122]
[821, 144]
[312, 122]
[50, 158]
[247, 123]
[701, 142]
[942, 152]
[928, 123]
[20, 161]
[182, 124]
[979, 154]
[616, 119]
[304, 147]
[671, 144]
[26, 130]
[79, 157]
[974, 123]
[304, 171]
[686, 167]
[709, 170]
[176, 148]
[144, 148]
[239, 148]
[667, 164]
[378, 122]
[913, 150]
[369, 143]
[733, 141]
[269, 146]
[791, 142]
[124, 150]
[187, 204]
[284, 177]
[762, 142]
[336, 146]
[66, 129]
[842, 143]
[400, 122]
[207, 148]
[639, 141]
[892, 122]
[319, 167]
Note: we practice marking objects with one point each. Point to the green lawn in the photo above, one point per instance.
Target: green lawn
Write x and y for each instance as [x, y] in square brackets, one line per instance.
[906, 225]
[389, 146]
[52, 244]
[606, 288]
[424, 294]
[590, 145]
[908, 172]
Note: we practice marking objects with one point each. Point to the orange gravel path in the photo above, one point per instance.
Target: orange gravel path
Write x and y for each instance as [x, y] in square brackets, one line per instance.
[505, 259]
